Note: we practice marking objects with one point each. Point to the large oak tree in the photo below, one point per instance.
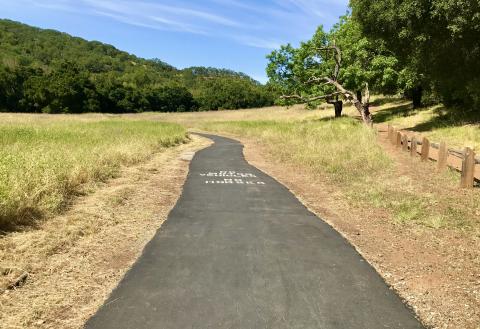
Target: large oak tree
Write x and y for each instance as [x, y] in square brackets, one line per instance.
[335, 67]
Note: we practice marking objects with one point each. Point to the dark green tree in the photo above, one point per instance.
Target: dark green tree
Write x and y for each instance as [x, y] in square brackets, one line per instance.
[364, 60]
[172, 98]
[436, 40]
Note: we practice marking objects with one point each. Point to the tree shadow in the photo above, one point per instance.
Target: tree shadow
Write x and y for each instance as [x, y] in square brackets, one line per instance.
[448, 117]
[322, 119]
[333, 118]
[387, 114]
[380, 101]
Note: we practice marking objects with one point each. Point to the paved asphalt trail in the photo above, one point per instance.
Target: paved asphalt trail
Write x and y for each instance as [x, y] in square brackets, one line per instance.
[239, 251]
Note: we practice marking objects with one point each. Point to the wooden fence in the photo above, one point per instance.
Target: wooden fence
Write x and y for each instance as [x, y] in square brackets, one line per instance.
[463, 161]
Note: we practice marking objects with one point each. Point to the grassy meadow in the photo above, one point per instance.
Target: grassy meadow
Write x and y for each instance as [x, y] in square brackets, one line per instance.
[349, 156]
[294, 113]
[46, 160]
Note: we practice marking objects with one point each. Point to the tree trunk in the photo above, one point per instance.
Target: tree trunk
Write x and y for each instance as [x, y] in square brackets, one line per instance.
[338, 108]
[338, 105]
[417, 96]
[367, 114]
[359, 95]
[363, 108]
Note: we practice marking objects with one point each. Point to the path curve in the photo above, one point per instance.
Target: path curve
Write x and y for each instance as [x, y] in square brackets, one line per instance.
[240, 251]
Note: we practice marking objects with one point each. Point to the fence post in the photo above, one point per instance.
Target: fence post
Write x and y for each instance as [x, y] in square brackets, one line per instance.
[393, 138]
[389, 132]
[442, 157]
[468, 168]
[399, 139]
[405, 143]
[413, 147]
[425, 149]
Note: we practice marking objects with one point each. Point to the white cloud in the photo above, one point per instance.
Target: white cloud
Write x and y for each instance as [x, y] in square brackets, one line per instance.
[243, 5]
[178, 26]
[166, 17]
[180, 16]
[319, 8]
[155, 23]
[187, 12]
[257, 42]
[63, 5]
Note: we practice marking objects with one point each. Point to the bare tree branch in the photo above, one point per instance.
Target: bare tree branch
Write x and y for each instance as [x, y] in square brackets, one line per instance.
[311, 99]
[337, 56]
[316, 79]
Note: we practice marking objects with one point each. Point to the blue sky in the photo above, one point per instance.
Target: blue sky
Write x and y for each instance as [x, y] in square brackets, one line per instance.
[231, 34]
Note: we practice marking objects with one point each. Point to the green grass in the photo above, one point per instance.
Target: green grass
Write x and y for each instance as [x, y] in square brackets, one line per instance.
[44, 162]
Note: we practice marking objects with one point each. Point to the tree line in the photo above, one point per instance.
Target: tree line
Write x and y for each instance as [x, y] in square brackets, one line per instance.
[429, 51]
[52, 72]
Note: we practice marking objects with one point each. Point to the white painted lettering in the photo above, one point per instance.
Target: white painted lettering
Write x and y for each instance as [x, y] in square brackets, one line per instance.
[231, 177]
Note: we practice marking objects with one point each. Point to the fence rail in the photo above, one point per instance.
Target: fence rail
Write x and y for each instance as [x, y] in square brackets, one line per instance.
[463, 161]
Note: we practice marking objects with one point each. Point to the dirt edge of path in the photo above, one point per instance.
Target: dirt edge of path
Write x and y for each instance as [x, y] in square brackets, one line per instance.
[424, 270]
[75, 260]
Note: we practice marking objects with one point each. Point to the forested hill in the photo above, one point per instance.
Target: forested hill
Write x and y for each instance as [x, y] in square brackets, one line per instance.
[53, 72]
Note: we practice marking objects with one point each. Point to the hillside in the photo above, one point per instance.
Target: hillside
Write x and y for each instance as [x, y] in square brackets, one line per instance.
[53, 72]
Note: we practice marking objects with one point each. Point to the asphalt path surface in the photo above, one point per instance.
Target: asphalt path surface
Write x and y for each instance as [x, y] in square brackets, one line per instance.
[239, 251]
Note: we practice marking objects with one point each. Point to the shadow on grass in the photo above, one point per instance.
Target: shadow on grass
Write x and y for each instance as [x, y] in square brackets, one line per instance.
[448, 117]
[333, 118]
[28, 219]
[386, 100]
[323, 119]
[443, 116]
[387, 114]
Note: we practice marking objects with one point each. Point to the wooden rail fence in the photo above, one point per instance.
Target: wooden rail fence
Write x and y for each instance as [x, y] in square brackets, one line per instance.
[463, 161]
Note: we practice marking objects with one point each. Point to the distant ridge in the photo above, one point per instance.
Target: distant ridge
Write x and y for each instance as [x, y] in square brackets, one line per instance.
[50, 71]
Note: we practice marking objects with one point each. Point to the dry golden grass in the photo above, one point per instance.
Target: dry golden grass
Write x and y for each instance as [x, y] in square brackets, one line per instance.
[278, 113]
[45, 160]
